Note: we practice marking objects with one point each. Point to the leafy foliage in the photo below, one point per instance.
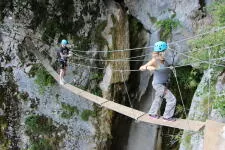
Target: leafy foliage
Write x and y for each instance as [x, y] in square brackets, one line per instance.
[86, 114]
[43, 134]
[213, 55]
[68, 111]
[219, 104]
[41, 144]
[218, 11]
[43, 78]
[188, 79]
[167, 27]
[39, 124]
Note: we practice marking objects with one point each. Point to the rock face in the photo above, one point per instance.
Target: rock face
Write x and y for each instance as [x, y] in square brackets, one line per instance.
[90, 26]
[202, 109]
[44, 23]
[150, 11]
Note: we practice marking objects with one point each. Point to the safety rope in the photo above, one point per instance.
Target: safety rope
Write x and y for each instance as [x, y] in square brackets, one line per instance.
[109, 60]
[201, 61]
[185, 39]
[175, 42]
[179, 90]
[182, 53]
[173, 69]
[209, 81]
[126, 89]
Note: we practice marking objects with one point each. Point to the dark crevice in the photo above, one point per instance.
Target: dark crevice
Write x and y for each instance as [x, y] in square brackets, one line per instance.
[202, 8]
[121, 124]
[202, 4]
[122, 4]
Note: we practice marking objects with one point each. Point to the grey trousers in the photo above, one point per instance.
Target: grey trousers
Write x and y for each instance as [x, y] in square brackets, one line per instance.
[162, 91]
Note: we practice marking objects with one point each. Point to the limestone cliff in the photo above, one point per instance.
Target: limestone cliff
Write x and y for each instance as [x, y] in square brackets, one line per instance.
[98, 31]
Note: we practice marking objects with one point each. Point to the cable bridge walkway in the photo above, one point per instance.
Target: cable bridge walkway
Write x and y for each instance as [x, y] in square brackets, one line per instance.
[212, 129]
[214, 132]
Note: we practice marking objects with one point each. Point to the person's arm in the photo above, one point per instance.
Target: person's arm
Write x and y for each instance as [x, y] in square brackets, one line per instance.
[62, 55]
[66, 55]
[70, 54]
[149, 66]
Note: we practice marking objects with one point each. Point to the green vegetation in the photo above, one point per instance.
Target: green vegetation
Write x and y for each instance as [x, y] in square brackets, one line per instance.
[218, 11]
[96, 91]
[96, 78]
[9, 106]
[40, 129]
[188, 79]
[201, 50]
[33, 70]
[86, 114]
[4, 141]
[187, 140]
[43, 78]
[39, 124]
[23, 96]
[219, 103]
[41, 144]
[69, 111]
[167, 26]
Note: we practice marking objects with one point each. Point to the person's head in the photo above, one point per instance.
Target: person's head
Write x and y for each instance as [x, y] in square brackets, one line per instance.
[64, 43]
[159, 50]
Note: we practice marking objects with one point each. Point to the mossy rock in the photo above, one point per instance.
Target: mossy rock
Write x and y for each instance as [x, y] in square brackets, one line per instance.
[86, 114]
[36, 124]
[69, 111]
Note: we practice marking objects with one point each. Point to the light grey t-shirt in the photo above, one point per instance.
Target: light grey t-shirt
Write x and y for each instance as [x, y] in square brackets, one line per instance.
[161, 74]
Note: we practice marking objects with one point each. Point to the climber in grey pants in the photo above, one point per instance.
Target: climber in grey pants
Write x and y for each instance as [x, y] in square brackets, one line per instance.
[160, 79]
[163, 92]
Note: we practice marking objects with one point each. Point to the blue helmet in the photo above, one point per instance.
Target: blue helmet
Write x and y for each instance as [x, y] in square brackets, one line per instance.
[160, 46]
[64, 42]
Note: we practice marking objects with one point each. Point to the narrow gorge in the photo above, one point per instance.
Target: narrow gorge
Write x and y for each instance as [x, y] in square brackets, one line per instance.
[110, 40]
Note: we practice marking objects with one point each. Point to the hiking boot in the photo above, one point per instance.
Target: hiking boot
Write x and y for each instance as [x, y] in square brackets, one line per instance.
[172, 119]
[153, 116]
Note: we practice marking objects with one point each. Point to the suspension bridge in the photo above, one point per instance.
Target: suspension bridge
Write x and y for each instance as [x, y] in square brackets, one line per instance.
[212, 130]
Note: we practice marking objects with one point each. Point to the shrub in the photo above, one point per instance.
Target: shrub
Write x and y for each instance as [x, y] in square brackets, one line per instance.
[219, 104]
[43, 78]
[68, 111]
[41, 144]
[39, 124]
[217, 9]
[167, 27]
[86, 114]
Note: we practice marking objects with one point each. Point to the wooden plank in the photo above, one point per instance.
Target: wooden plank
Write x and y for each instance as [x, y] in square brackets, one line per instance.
[73, 89]
[127, 111]
[93, 98]
[185, 124]
[84, 94]
[213, 139]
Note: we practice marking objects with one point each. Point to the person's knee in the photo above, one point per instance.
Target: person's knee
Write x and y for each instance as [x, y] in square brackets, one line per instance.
[172, 101]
